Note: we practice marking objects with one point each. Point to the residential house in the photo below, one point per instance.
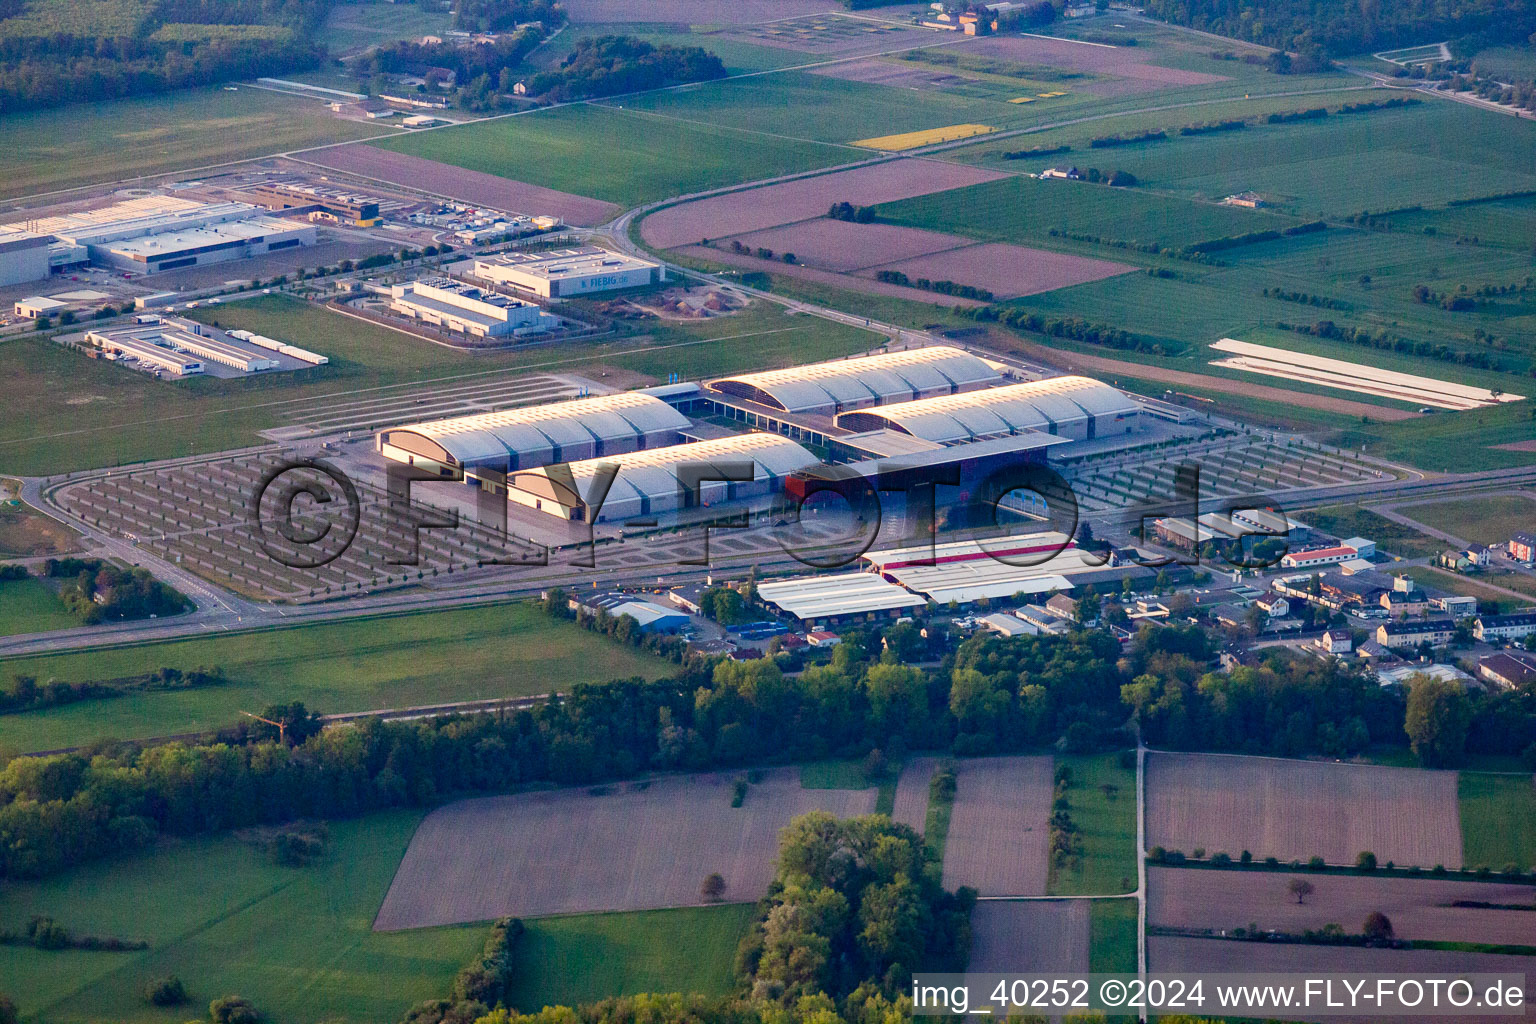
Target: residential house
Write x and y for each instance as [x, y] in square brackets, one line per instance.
[1508, 669]
[1276, 606]
[1504, 627]
[1522, 547]
[1412, 632]
[1335, 641]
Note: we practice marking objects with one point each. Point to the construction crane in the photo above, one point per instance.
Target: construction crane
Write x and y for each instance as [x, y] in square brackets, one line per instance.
[281, 727]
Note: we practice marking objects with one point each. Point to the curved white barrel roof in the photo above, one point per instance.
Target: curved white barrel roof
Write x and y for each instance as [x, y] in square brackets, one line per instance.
[491, 437]
[868, 380]
[1041, 405]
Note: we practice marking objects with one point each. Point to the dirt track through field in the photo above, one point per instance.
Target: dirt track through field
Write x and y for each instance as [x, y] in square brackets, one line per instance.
[632, 846]
[1419, 908]
[1194, 956]
[1100, 366]
[1295, 810]
[912, 792]
[998, 831]
[476, 187]
[758, 208]
[1043, 936]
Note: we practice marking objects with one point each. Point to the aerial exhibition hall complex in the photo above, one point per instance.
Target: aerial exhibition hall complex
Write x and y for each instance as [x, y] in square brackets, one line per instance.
[767, 512]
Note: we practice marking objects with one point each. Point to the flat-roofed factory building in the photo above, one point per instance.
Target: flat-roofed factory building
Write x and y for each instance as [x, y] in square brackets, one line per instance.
[649, 484]
[24, 256]
[301, 197]
[455, 306]
[533, 436]
[560, 273]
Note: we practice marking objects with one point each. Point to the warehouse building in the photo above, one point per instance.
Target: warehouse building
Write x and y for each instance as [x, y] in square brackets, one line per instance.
[186, 337]
[24, 256]
[302, 197]
[647, 484]
[559, 273]
[966, 571]
[826, 389]
[155, 233]
[126, 346]
[455, 306]
[1078, 408]
[822, 601]
[520, 439]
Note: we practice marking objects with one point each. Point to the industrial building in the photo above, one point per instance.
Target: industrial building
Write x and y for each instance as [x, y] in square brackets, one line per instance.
[302, 197]
[649, 616]
[560, 273]
[520, 439]
[24, 256]
[647, 484]
[207, 344]
[966, 571]
[820, 601]
[1078, 408]
[455, 306]
[155, 233]
[826, 389]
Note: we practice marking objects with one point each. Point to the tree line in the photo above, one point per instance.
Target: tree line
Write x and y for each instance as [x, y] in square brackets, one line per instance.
[610, 65]
[1079, 691]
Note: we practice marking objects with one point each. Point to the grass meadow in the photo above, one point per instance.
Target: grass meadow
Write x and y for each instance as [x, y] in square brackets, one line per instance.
[1498, 820]
[1107, 820]
[1485, 519]
[70, 413]
[112, 140]
[563, 961]
[221, 916]
[619, 155]
[1354, 521]
[1112, 934]
[31, 606]
[351, 665]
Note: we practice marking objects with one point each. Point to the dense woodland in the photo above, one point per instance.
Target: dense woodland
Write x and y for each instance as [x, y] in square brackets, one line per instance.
[1077, 692]
[46, 60]
[610, 65]
[96, 591]
[1348, 28]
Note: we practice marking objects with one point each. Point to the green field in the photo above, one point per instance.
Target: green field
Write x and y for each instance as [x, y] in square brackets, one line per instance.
[564, 961]
[31, 606]
[118, 139]
[1354, 521]
[621, 156]
[1483, 519]
[221, 916]
[353, 665]
[67, 412]
[355, 26]
[1112, 937]
[1108, 826]
[1498, 820]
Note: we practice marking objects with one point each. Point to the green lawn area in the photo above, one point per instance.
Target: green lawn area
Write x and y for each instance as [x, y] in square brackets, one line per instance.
[353, 665]
[1483, 519]
[221, 916]
[850, 774]
[1498, 820]
[1108, 826]
[1112, 937]
[116, 139]
[66, 412]
[31, 606]
[564, 961]
[622, 156]
[1354, 521]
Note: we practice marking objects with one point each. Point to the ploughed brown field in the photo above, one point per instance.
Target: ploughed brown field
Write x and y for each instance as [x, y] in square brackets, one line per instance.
[1295, 810]
[842, 246]
[436, 178]
[999, 828]
[804, 198]
[1167, 954]
[1007, 271]
[1031, 936]
[1118, 61]
[911, 806]
[632, 846]
[1419, 908]
[826, 277]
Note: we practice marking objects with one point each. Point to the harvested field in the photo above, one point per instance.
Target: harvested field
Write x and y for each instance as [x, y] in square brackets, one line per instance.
[844, 247]
[1043, 936]
[458, 183]
[832, 35]
[804, 198]
[1419, 908]
[1120, 61]
[637, 846]
[998, 839]
[895, 76]
[1007, 271]
[1300, 809]
[692, 12]
[826, 277]
[925, 137]
[912, 792]
[1180, 955]
[1182, 378]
